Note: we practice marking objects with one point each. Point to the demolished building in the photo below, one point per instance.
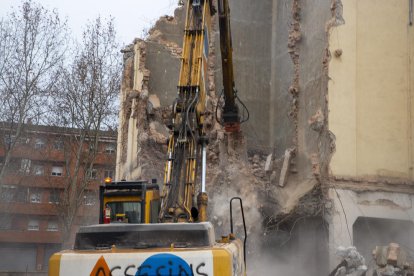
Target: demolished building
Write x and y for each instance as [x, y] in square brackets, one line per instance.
[328, 152]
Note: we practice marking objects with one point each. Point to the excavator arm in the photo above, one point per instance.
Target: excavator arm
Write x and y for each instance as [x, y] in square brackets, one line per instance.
[187, 142]
[187, 139]
[230, 113]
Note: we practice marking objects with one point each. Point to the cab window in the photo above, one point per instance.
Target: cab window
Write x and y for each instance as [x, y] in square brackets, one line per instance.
[127, 212]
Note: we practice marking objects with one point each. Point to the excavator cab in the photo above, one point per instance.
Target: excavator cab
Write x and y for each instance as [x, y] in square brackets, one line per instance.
[129, 202]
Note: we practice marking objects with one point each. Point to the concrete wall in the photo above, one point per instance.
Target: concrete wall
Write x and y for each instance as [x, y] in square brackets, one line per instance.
[279, 55]
[371, 115]
[268, 62]
[370, 92]
[282, 131]
[281, 72]
[163, 56]
[313, 139]
[150, 78]
[251, 26]
[126, 160]
[349, 205]
[165, 69]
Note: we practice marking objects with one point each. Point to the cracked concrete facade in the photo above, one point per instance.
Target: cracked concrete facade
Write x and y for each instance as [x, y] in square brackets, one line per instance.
[371, 115]
[330, 81]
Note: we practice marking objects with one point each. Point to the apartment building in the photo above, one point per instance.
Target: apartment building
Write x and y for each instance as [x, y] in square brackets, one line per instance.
[31, 190]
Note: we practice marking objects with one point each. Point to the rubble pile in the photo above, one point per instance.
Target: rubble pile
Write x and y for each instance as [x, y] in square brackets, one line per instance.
[392, 260]
[353, 263]
[233, 175]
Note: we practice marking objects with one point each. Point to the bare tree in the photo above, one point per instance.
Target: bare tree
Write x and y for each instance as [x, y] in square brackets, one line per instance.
[6, 41]
[85, 101]
[32, 46]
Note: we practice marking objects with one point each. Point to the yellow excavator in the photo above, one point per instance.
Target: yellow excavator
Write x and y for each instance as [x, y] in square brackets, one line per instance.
[127, 241]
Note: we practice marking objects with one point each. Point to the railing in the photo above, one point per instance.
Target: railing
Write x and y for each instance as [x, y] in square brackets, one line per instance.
[30, 236]
[28, 208]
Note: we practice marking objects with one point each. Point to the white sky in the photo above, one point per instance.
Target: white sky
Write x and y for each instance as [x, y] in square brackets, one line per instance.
[131, 16]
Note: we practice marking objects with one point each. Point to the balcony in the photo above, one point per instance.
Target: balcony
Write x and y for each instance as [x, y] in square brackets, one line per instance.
[53, 155]
[105, 159]
[39, 154]
[44, 209]
[90, 211]
[30, 236]
[44, 181]
[27, 208]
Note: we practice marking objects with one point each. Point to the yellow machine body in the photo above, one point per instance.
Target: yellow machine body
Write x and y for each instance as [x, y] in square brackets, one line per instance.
[198, 255]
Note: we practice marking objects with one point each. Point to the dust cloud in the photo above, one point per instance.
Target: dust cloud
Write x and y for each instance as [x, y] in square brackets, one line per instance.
[298, 246]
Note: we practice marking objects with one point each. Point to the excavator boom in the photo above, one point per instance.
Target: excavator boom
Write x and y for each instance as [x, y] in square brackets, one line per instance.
[187, 137]
[231, 117]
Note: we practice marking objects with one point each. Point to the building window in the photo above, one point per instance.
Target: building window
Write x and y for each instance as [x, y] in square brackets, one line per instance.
[40, 143]
[35, 197]
[21, 195]
[24, 140]
[38, 170]
[109, 173]
[52, 226]
[58, 145]
[110, 148]
[57, 170]
[89, 199]
[92, 174]
[25, 165]
[54, 197]
[9, 139]
[92, 147]
[33, 225]
[5, 222]
[7, 193]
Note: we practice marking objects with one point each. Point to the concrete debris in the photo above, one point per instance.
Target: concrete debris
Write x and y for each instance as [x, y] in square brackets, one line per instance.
[289, 153]
[169, 18]
[337, 10]
[338, 53]
[317, 121]
[337, 18]
[154, 100]
[159, 132]
[316, 168]
[294, 90]
[166, 33]
[268, 164]
[353, 263]
[295, 36]
[392, 260]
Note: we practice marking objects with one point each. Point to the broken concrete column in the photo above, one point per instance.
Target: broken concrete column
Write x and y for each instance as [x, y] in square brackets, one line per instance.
[289, 153]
